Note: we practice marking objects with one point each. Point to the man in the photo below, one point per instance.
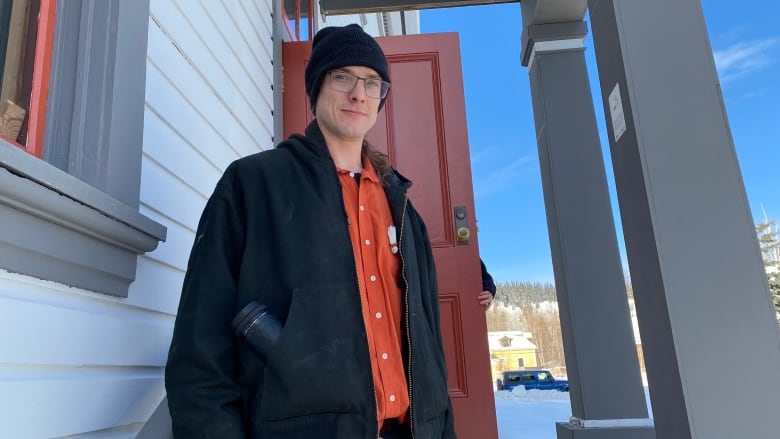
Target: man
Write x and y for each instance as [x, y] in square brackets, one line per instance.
[321, 232]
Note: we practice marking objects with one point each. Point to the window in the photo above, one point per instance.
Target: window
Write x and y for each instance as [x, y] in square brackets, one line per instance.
[520, 363]
[512, 378]
[26, 29]
[505, 342]
[80, 189]
[297, 16]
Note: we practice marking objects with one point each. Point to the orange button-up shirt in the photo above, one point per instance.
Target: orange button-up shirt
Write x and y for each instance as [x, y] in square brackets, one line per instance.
[374, 243]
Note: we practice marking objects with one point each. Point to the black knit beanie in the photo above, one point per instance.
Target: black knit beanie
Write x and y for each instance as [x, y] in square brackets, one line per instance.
[335, 47]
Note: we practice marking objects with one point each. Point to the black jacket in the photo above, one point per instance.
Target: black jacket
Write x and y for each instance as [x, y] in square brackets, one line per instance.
[275, 232]
[487, 280]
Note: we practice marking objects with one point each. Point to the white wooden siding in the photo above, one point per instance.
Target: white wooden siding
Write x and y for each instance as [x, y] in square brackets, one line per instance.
[82, 365]
[74, 361]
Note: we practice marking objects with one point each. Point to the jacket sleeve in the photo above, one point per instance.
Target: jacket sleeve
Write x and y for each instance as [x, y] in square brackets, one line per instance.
[201, 374]
[449, 421]
[487, 280]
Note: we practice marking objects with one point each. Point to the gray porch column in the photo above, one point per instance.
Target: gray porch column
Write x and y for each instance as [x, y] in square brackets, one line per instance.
[711, 342]
[607, 397]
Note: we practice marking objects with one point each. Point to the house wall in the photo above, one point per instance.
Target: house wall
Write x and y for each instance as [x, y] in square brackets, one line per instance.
[80, 364]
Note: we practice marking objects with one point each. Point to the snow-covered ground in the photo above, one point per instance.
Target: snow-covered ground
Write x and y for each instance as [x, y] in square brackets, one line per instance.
[532, 414]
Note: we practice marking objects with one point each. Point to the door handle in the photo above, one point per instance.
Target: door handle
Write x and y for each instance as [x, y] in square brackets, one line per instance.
[462, 232]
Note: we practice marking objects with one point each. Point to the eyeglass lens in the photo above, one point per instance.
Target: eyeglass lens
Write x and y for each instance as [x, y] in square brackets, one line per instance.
[345, 83]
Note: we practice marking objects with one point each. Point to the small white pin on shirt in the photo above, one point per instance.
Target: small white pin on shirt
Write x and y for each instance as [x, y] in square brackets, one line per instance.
[392, 236]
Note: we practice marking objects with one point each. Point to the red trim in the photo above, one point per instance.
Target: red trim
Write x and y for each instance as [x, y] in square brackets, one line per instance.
[311, 20]
[286, 21]
[297, 20]
[10, 140]
[295, 31]
[41, 74]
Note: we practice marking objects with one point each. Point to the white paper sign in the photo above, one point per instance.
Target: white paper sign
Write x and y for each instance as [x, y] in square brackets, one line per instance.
[616, 111]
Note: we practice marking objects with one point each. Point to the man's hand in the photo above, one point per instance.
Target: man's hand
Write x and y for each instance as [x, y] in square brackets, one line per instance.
[485, 299]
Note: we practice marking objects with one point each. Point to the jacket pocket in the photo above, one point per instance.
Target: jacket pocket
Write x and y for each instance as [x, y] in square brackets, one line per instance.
[320, 362]
[320, 426]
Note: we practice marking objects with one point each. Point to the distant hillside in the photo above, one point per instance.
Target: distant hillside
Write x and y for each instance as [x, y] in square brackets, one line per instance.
[519, 294]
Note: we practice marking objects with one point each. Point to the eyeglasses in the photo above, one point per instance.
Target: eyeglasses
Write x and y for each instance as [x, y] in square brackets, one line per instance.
[345, 82]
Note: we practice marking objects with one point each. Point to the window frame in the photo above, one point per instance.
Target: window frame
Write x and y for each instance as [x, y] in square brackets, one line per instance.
[40, 81]
[76, 221]
[36, 113]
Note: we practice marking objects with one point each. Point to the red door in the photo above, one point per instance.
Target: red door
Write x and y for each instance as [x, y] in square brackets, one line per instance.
[423, 130]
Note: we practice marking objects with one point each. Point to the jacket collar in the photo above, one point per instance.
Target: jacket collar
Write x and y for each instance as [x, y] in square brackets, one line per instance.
[397, 181]
[311, 144]
[314, 143]
[314, 134]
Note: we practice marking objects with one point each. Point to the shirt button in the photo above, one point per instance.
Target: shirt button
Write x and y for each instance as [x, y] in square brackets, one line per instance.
[351, 174]
[384, 356]
[373, 278]
[368, 242]
[362, 207]
[392, 398]
[378, 315]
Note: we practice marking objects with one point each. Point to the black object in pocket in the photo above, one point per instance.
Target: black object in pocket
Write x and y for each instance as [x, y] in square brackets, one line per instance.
[258, 326]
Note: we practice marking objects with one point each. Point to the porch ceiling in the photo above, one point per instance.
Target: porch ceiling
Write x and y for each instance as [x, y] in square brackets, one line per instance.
[336, 7]
[553, 11]
[542, 11]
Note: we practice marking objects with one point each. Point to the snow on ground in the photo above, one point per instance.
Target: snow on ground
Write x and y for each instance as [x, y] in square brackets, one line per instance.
[532, 414]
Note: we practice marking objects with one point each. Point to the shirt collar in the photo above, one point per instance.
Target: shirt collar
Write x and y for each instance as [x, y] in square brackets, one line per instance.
[368, 173]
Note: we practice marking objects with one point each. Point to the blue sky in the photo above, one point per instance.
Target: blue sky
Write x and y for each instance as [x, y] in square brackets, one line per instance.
[505, 168]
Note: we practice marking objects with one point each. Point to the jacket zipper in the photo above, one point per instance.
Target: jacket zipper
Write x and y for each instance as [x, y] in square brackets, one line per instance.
[373, 386]
[408, 327]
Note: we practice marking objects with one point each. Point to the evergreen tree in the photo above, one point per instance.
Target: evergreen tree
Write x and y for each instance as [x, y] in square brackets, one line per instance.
[519, 294]
[769, 241]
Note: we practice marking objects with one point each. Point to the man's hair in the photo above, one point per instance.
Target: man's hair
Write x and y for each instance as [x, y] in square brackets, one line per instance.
[380, 161]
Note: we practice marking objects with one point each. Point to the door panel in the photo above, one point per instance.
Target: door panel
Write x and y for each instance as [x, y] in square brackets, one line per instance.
[423, 130]
[416, 146]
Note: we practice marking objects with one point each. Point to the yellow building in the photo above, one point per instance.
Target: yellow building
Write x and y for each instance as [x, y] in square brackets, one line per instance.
[511, 350]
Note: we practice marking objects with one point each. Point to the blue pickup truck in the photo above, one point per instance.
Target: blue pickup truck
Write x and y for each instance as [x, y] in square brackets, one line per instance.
[530, 379]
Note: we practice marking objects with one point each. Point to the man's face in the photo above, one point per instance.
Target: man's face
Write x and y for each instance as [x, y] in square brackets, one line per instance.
[347, 115]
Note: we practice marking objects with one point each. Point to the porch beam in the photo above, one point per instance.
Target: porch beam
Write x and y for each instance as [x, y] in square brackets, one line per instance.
[607, 401]
[701, 292]
[340, 7]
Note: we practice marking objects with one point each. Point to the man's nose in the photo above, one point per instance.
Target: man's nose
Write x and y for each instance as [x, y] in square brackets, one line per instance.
[359, 90]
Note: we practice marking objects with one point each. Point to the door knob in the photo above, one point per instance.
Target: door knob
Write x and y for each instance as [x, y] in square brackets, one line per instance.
[463, 235]
[462, 232]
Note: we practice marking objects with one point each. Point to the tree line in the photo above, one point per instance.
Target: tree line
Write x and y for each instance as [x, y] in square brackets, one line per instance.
[533, 306]
[769, 242]
[530, 307]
